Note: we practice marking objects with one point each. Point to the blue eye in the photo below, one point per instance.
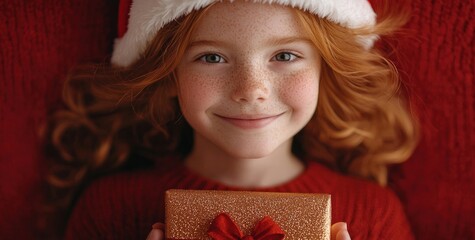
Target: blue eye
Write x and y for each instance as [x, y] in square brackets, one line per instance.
[211, 58]
[284, 57]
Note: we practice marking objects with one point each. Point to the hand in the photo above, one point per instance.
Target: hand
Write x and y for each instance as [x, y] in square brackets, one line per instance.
[339, 231]
[157, 232]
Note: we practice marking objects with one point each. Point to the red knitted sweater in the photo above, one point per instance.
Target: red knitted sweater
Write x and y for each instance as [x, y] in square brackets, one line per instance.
[125, 205]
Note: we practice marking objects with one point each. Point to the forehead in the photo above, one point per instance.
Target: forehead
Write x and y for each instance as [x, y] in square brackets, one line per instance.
[247, 19]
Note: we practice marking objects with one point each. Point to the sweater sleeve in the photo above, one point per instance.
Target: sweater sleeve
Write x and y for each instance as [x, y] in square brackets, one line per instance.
[390, 221]
[109, 209]
[87, 218]
[379, 216]
[371, 211]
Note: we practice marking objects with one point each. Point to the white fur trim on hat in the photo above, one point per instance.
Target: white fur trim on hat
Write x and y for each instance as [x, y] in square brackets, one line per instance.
[147, 17]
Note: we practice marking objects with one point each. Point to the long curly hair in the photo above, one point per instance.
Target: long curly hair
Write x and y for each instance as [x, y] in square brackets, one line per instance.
[362, 123]
[116, 118]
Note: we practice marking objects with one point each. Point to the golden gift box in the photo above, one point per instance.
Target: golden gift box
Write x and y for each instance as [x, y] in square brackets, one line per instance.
[190, 214]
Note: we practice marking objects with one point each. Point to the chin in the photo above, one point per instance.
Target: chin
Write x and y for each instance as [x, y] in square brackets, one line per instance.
[250, 152]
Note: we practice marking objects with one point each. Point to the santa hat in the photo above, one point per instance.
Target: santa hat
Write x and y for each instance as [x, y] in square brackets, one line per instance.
[140, 20]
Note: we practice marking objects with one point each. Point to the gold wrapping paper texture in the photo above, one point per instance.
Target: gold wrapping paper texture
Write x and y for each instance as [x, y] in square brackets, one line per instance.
[189, 213]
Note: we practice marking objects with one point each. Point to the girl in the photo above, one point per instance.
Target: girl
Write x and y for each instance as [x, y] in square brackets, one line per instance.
[268, 95]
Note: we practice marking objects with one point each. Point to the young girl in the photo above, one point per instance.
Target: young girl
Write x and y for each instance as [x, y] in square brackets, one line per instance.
[279, 96]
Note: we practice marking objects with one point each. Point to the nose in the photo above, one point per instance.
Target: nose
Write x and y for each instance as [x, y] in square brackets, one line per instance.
[250, 84]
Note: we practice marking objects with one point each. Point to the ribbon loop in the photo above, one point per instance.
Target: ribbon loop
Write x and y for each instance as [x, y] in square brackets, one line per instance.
[224, 228]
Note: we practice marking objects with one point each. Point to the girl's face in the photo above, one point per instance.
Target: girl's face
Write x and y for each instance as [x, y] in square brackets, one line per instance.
[249, 80]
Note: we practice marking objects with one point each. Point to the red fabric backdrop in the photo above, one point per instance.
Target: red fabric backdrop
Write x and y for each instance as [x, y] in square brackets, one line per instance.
[41, 40]
[437, 185]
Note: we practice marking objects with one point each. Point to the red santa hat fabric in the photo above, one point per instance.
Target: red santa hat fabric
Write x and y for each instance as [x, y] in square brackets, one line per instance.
[144, 18]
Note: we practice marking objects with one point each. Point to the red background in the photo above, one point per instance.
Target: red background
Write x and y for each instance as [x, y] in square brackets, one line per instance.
[41, 40]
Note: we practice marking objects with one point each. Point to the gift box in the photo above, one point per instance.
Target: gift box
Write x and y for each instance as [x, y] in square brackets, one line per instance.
[200, 214]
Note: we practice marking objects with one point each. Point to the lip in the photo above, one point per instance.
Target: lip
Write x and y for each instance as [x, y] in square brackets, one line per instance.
[250, 121]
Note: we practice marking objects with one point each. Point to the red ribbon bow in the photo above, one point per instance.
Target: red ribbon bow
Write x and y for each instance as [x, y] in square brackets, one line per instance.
[224, 228]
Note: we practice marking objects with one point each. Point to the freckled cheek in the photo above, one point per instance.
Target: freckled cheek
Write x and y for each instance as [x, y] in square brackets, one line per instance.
[198, 91]
[300, 90]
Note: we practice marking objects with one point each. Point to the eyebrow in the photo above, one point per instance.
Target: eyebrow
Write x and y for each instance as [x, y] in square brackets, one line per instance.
[287, 40]
[207, 43]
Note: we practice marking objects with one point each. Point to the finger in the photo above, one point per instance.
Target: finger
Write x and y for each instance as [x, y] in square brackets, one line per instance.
[155, 234]
[339, 231]
[343, 235]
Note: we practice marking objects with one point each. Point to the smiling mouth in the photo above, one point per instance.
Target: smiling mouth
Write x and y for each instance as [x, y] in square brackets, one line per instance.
[250, 121]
